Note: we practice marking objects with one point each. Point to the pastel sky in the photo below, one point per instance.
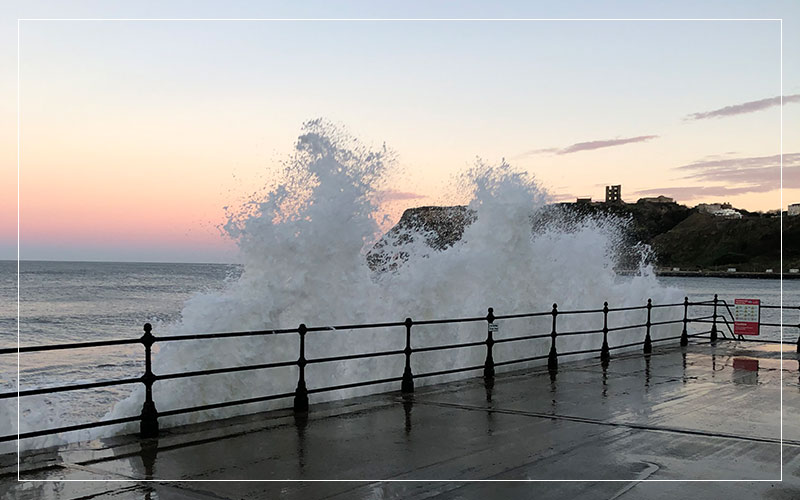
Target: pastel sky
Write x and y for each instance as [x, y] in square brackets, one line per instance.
[135, 134]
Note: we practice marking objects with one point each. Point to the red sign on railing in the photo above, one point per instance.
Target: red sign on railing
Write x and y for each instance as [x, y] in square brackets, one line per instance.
[747, 316]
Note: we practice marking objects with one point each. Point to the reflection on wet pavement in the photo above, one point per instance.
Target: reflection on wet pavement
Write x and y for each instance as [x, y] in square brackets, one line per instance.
[700, 412]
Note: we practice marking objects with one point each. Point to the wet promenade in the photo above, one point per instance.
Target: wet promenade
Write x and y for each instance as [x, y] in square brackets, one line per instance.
[697, 413]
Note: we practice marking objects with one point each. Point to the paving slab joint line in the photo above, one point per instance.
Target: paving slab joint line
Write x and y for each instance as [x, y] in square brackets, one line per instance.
[630, 425]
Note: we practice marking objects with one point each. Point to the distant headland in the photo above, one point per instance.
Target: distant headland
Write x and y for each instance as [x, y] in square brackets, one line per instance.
[710, 239]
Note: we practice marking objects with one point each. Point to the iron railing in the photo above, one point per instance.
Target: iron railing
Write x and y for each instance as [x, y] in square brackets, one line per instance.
[148, 418]
[728, 322]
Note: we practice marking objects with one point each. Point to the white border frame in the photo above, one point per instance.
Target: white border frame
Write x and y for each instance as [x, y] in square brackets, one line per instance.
[20, 20]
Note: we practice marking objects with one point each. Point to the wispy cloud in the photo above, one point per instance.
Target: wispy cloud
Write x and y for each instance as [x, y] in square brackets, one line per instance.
[756, 174]
[589, 145]
[745, 107]
[755, 170]
[539, 151]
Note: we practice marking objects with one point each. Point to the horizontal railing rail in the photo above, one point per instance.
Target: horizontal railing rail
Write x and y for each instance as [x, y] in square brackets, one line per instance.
[148, 418]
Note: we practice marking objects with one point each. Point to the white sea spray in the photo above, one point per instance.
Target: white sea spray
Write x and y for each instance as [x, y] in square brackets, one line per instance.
[303, 245]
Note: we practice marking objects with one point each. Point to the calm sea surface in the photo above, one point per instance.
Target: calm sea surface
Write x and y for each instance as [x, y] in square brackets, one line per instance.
[82, 301]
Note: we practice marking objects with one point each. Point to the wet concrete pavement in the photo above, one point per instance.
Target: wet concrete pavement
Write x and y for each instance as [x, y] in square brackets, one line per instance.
[701, 413]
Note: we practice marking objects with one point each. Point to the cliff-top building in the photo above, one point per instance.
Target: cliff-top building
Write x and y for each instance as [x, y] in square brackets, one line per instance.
[614, 194]
[657, 199]
[794, 209]
[709, 208]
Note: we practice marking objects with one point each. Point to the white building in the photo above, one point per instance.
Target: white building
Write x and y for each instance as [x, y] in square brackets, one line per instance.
[794, 209]
[727, 213]
[710, 208]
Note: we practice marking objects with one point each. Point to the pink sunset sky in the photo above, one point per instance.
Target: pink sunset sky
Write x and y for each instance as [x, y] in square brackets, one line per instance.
[134, 135]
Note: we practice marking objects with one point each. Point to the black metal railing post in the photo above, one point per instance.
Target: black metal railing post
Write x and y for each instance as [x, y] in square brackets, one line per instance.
[648, 343]
[148, 426]
[605, 353]
[488, 365]
[552, 358]
[714, 321]
[685, 332]
[407, 385]
[301, 393]
[798, 329]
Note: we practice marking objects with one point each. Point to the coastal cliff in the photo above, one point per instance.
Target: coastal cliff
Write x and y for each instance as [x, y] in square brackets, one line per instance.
[680, 236]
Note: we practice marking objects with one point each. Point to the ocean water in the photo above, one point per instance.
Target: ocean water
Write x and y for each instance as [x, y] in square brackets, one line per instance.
[729, 289]
[63, 302]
